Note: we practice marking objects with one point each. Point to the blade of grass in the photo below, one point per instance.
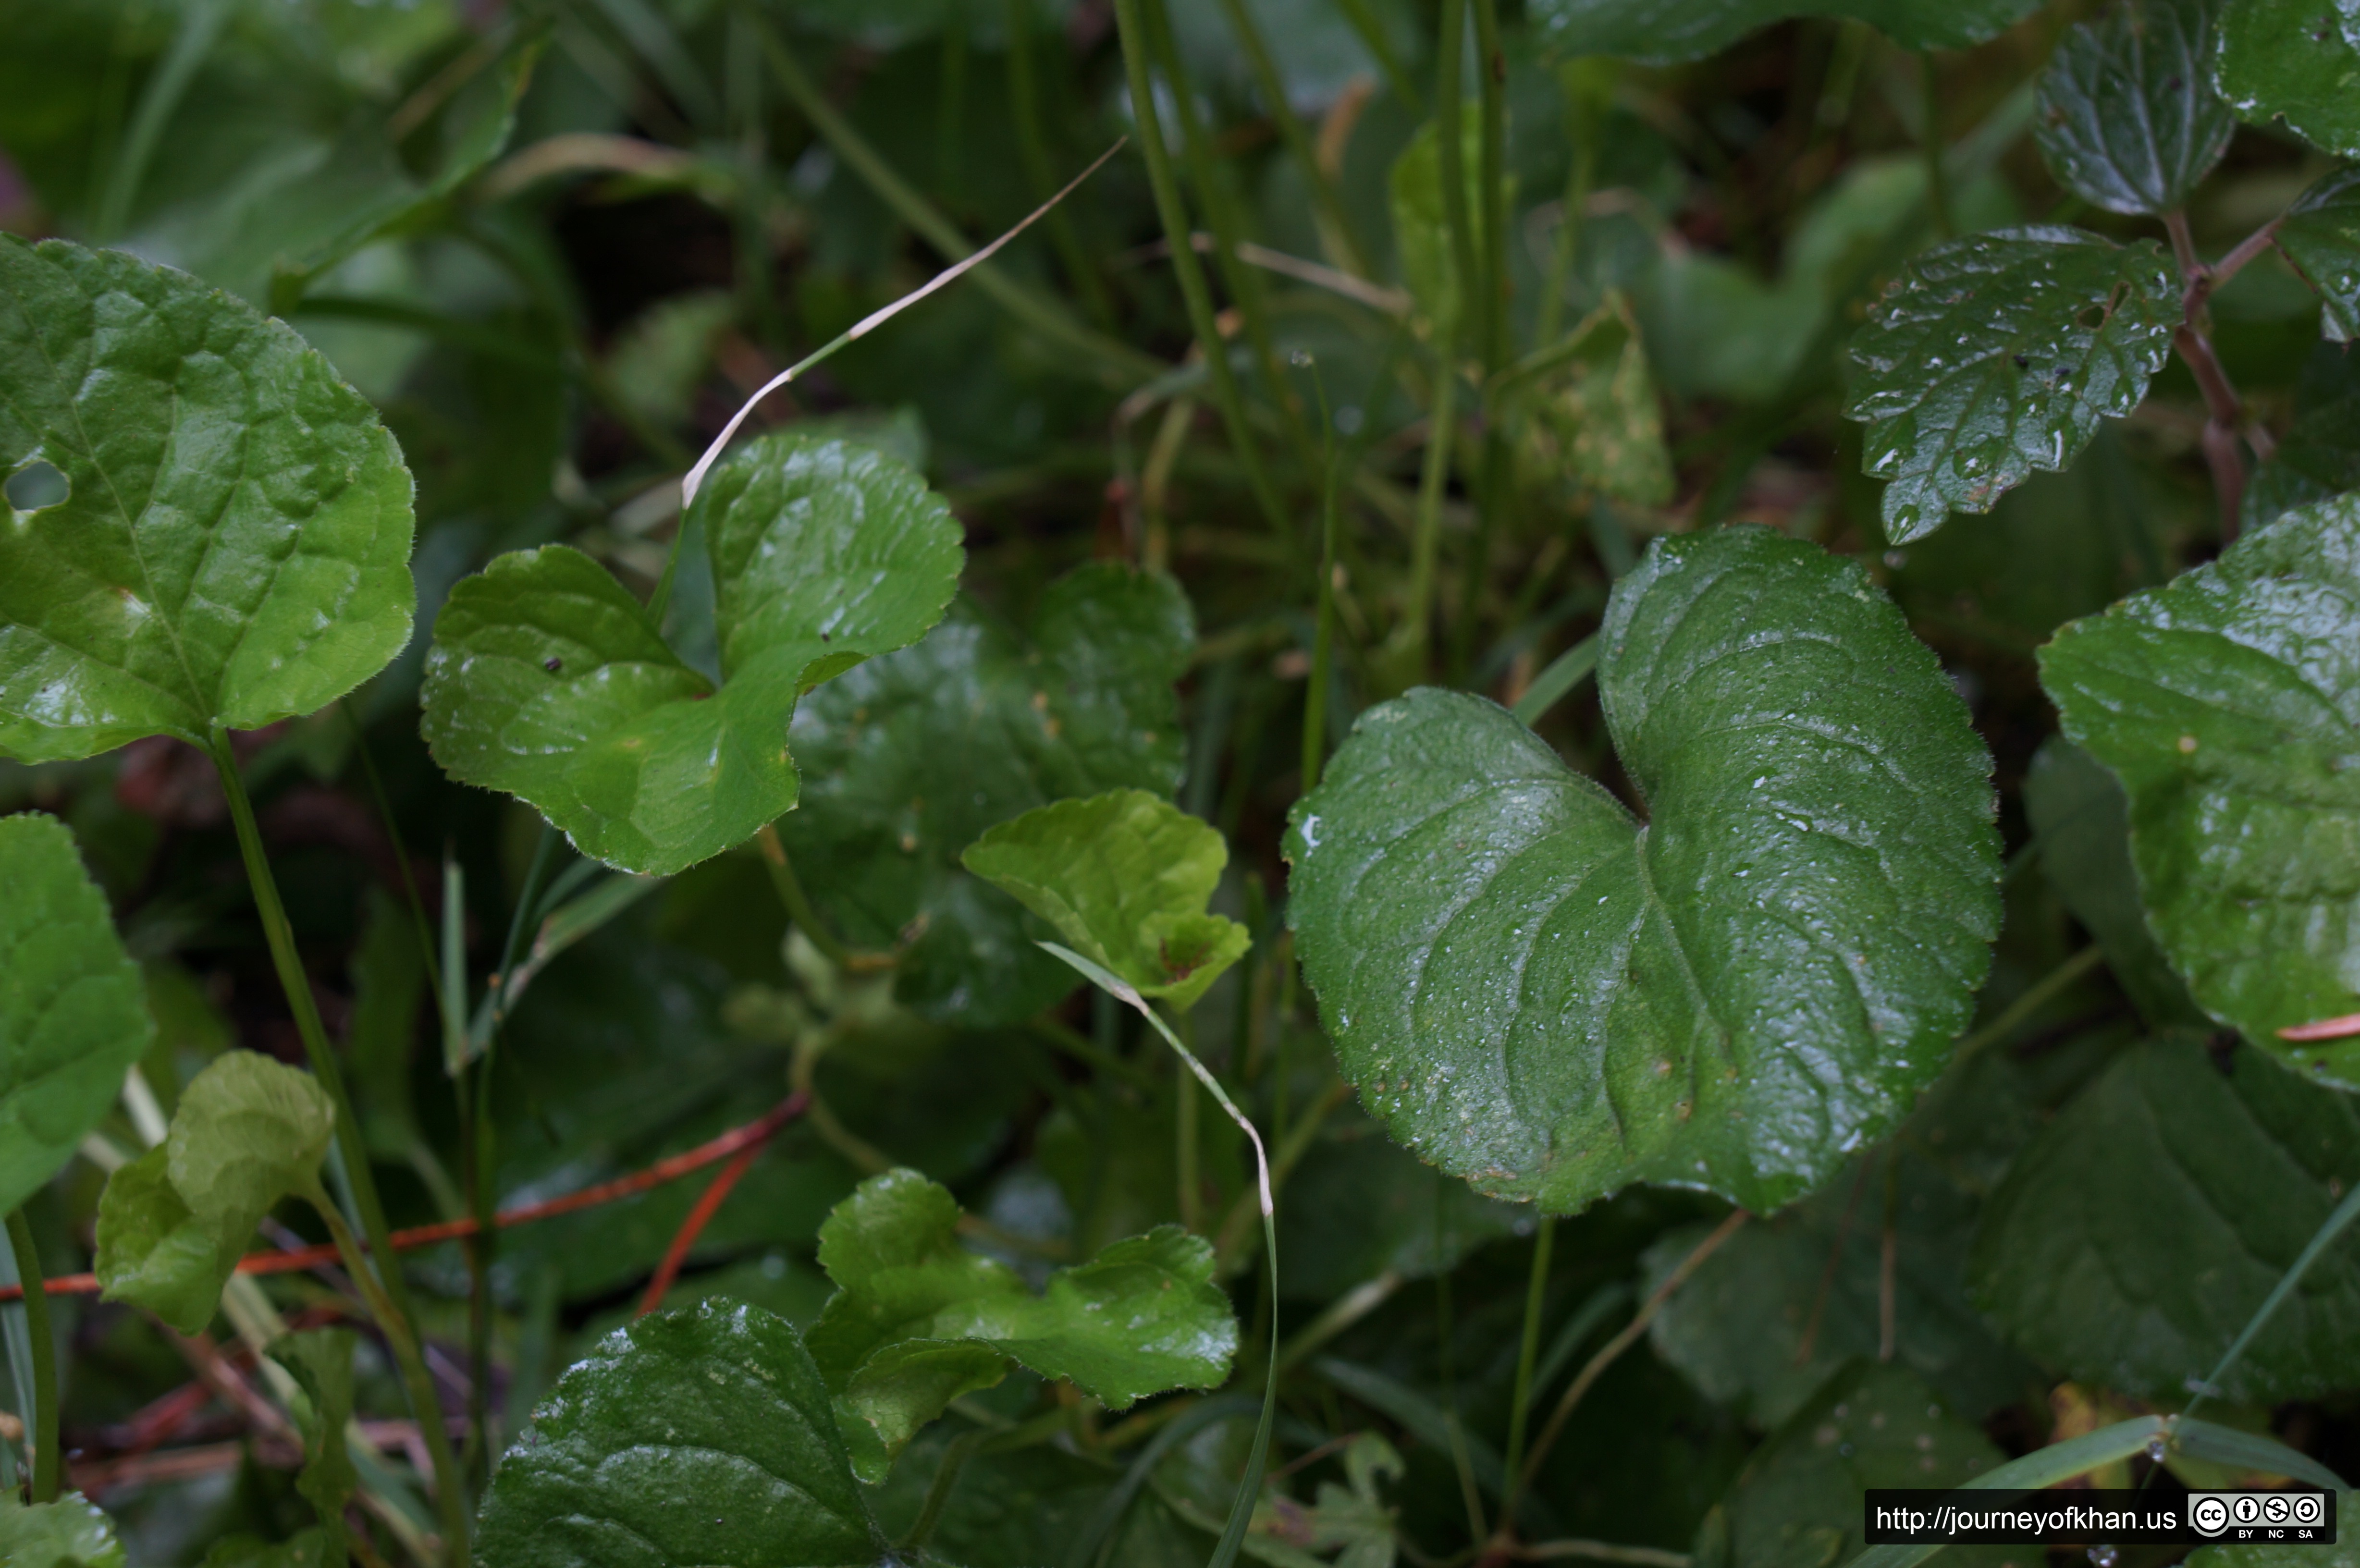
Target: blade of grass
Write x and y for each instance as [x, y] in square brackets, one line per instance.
[1552, 685]
[1528, 1349]
[2334, 1225]
[1272, 88]
[41, 1417]
[2043, 1468]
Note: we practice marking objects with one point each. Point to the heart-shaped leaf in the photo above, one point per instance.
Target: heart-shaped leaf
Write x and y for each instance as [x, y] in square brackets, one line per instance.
[1545, 994]
[234, 545]
[74, 1014]
[1124, 877]
[1667, 31]
[697, 1436]
[2228, 703]
[909, 758]
[548, 681]
[2142, 1227]
[1995, 355]
[171, 1224]
[917, 1320]
[2290, 59]
[2319, 235]
[2128, 117]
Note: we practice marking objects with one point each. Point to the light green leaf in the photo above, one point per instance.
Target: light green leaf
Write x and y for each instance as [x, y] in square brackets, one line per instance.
[1995, 355]
[1797, 1503]
[1540, 992]
[550, 682]
[234, 547]
[1124, 877]
[171, 1224]
[1422, 216]
[700, 1436]
[322, 1362]
[2128, 118]
[2320, 236]
[2082, 821]
[1668, 31]
[1142, 1317]
[1595, 419]
[2228, 703]
[2134, 1237]
[2287, 60]
[73, 1013]
[69, 1533]
[909, 758]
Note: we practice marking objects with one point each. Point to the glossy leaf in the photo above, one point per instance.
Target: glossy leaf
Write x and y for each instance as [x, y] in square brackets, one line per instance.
[697, 1436]
[69, 1533]
[1667, 31]
[550, 682]
[2288, 60]
[233, 546]
[1538, 992]
[1124, 877]
[917, 1320]
[2133, 1239]
[2320, 236]
[1797, 1503]
[2128, 118]
[908, 759]
[73, 1016]
[2227, 704]
[1995, 355]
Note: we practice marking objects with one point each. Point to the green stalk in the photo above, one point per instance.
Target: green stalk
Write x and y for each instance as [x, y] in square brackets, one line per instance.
[1023, 94]
[1584, 124]
[1528, 1352]
[1272, 88]
[41, 1421]
[796, 902]
[1322, 640]
[1433, 477]
[1490, 319]
[1448, 67]
[1380, 44]
[1193, 291]
[1222, 215]
[451, 1494]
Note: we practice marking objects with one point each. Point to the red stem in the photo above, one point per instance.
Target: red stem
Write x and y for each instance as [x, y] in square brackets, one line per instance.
[694, 1226]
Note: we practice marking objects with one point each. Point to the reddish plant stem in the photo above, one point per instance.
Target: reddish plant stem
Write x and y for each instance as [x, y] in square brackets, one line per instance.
[752, 1135]
[2224, 412]
[694, 1226]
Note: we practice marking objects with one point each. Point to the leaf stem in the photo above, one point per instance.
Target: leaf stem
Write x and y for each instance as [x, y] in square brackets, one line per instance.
[1491, 295]
[1194, 293]
[2224, 411]
[280, 936]
[2039, 995]
[41, 1428]
[1528, 1352]
[1323, 637]
[1434, 478]
[798, 903]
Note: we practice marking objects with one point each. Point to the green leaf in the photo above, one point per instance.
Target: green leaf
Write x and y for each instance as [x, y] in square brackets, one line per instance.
[2128, 118]
[2286, 60]
[2344, 1553]
[1421, 215]
[908, 759]
[700, 1436]
[1995, 355]
[1797, 1503]
[1124, 877]
[69, 1533]
[2228, 703]
[171, 1224]
[548, 681]
[2320, 237]
[73, 1012]
[2083, 821]
[2134, 1237]
[917, 1320]
[1668, 31]
[1595, 419]
[1540, 992]
[234, 547]
[1359, 1206]
[321, 1361]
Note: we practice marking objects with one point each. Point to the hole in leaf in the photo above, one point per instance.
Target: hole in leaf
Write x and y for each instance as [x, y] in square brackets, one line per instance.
[36, 486]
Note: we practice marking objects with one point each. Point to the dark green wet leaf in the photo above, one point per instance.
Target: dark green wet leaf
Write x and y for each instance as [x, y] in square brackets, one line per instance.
[1125, 876]
[2228, 704]
[2083, 821]
[1665, 31]
[1995, 355]
[73, 1017]
[918, 1320]
[234, 547]
[2288, 60]
[2319, 235]
[908, 759]
[1797, 1503]
[699, 1436]
[1540, 993]
[2318, 456]
[69, 1533]
[550, 682]
[1359, 1206]
[2128, 116]
[2135, 1238]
